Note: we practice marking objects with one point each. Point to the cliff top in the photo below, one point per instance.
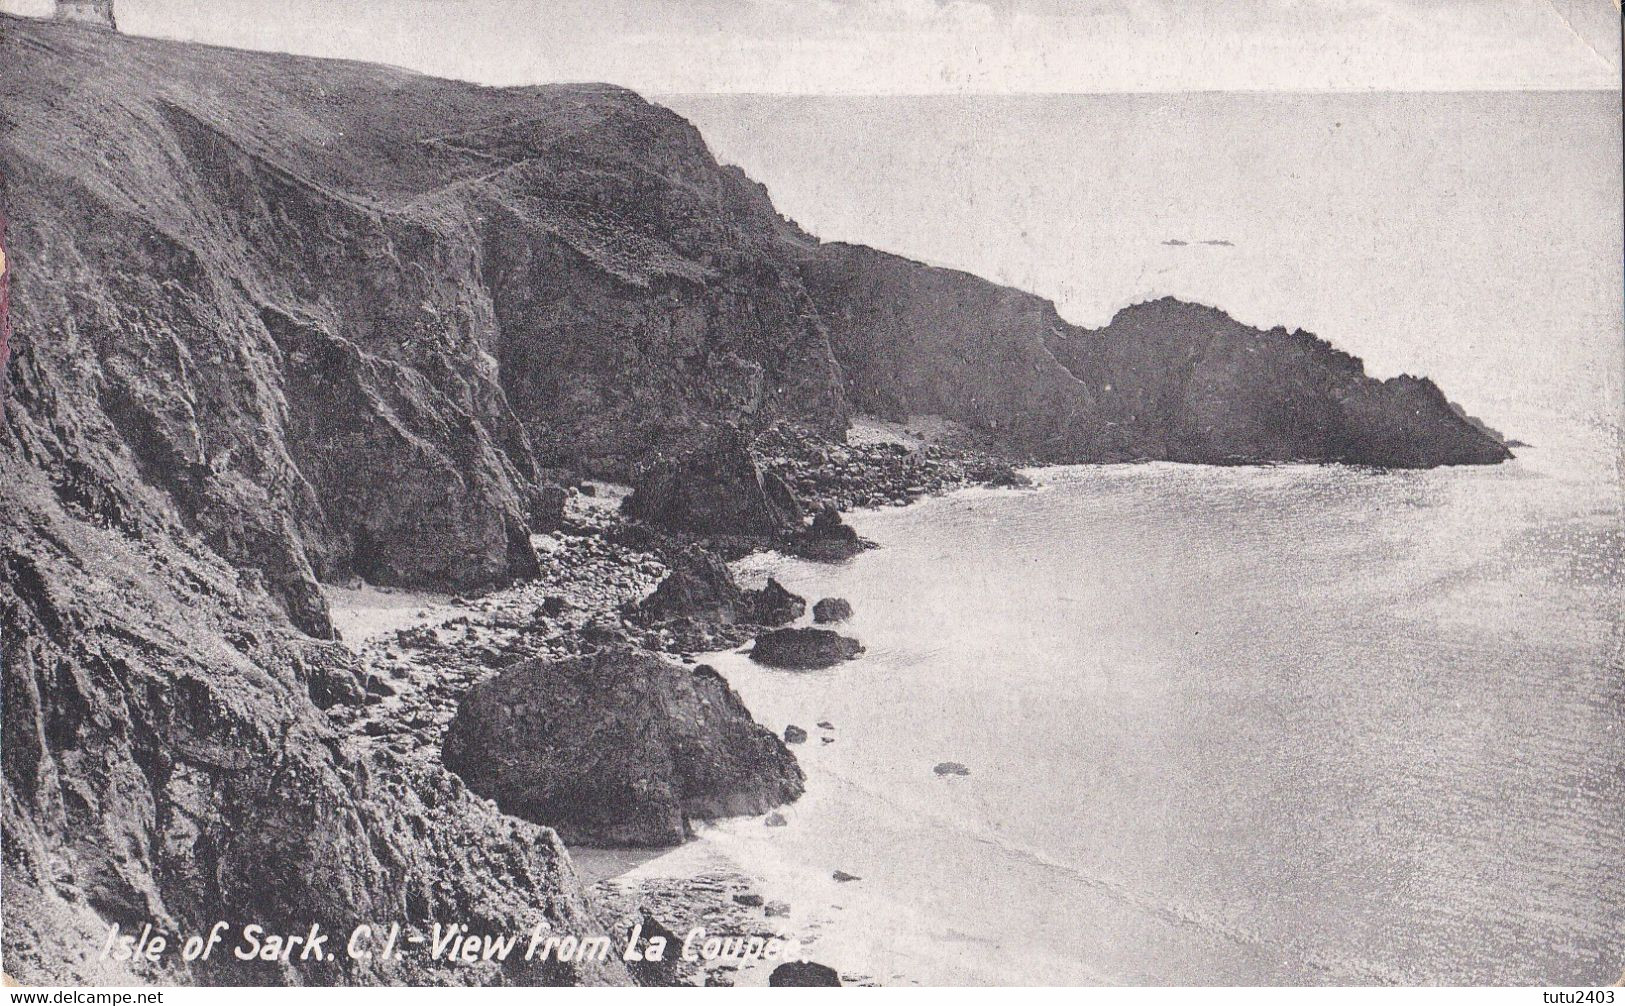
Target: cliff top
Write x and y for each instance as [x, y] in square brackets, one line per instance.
[385, 139]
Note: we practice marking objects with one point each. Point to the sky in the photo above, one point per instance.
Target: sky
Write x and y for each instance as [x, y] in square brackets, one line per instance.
[930, 46]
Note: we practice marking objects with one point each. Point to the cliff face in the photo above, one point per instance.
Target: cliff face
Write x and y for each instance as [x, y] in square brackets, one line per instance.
[347, 316]
[166, 762]
[279, 321]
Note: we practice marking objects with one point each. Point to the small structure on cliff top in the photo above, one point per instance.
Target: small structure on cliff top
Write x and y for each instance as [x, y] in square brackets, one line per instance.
[96, 12]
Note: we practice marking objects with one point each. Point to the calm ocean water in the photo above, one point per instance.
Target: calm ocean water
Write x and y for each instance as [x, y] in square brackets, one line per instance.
[1287, 724]
[1223, 725]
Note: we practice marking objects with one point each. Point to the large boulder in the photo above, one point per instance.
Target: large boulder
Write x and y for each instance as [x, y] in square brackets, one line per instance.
[714, 488]
[804, 649]
[618, 748]
[700, 587]
[800, 974]
[832, 609]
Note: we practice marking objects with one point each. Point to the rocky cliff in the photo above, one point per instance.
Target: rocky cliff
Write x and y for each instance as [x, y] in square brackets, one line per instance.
[1165, 380]
[281, 321]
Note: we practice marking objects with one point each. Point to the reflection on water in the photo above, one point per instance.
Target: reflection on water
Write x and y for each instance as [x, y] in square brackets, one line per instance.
[1223, 725]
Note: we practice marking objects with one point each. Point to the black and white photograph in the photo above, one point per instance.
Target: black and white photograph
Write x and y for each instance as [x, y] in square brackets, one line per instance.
[772, 493]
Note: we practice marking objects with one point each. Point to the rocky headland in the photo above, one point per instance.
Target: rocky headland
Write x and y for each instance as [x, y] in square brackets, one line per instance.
[281, 325]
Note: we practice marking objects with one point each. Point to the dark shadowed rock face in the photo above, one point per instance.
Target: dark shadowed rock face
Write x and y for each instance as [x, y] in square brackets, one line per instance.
[802, 974]
[1166, 380]
[620, 748]
[804, 649]
[714, 488]
[773, 605]
[832, 609]
[699, 586]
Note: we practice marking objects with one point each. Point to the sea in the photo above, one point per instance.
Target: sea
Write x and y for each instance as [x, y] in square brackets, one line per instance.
[1256, 725]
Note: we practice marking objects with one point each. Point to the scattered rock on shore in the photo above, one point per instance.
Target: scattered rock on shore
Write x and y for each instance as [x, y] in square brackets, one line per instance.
[619, 748]
[842, 877]
[832, 609]
[950, 768]
[997, 474]
[664, 972]
[804, 649]
[773, 605]
[827, 539]
[803, 974]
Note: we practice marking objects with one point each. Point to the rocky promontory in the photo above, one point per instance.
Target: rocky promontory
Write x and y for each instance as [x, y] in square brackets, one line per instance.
[1165, 380]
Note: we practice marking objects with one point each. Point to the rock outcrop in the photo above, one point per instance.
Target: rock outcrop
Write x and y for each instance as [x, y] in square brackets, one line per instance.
[701, 587]
[619, 748]
[804, 649]
[826, 539]
[713, 488]
[698, 586]
[773, 605]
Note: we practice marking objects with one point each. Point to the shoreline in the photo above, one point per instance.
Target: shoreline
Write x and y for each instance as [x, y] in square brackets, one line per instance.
[422, 651]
